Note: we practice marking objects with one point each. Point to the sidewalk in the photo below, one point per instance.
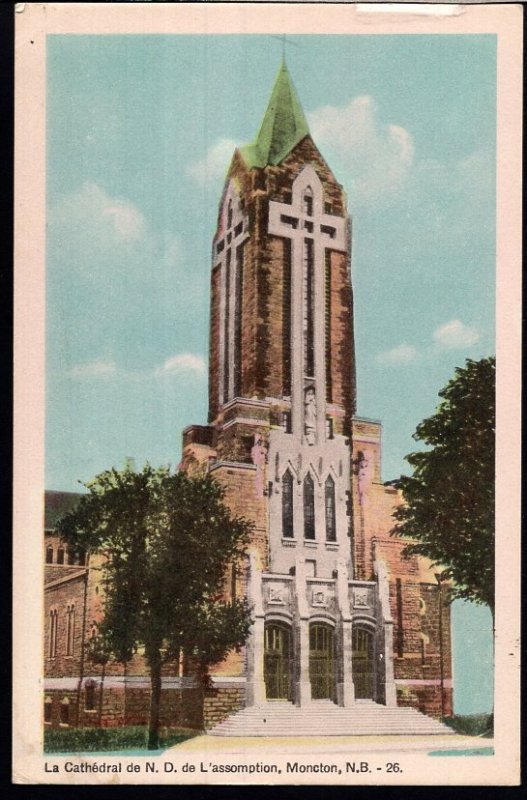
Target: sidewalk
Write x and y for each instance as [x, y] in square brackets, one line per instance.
[301, 745]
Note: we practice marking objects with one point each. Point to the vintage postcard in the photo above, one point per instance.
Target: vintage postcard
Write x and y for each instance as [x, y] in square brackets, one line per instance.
[266, 481]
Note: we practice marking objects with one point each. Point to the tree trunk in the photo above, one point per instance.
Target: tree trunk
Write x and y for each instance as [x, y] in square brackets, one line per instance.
[101, 694]
[155, 700]
[203, 682]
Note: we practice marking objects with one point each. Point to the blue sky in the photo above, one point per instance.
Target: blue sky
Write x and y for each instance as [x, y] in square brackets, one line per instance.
[140, 133]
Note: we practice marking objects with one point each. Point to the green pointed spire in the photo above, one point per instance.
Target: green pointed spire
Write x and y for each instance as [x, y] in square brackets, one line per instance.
[283, 125]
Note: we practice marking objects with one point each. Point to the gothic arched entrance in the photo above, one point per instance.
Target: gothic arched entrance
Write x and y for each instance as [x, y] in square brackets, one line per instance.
[277, 661]
[363, 663]
[321, 661]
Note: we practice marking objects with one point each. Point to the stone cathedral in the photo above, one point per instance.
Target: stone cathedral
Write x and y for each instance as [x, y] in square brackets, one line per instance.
[339, 614]
[346, 629]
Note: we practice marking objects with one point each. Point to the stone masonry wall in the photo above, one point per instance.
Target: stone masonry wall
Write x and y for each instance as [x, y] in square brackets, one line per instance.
[342, 351]
[220, 703]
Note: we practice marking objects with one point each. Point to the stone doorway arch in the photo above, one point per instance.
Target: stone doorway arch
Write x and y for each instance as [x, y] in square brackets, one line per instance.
[322, 661]
[278, 661]
[363, 663]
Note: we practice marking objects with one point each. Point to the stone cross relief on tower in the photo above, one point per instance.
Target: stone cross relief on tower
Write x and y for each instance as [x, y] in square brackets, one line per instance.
[310, 230]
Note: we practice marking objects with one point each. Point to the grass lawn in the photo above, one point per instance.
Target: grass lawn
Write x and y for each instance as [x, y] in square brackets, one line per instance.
[472, 724]
[86, 740]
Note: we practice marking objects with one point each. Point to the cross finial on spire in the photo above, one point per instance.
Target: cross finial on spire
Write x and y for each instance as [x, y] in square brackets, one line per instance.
[285, 41]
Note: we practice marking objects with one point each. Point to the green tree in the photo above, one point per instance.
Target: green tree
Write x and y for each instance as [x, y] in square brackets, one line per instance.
[168, 541]
[449, 499]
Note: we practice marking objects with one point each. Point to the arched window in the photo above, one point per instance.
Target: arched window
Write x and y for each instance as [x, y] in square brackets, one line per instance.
[287, 505]
[53, 626]
[229, 214]
[331, 527]
[49, 554]
[60, 555]
[70, 629]
[309, 507]
[307, 202]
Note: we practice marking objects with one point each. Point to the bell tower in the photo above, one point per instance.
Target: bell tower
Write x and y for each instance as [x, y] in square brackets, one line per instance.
[281, 304]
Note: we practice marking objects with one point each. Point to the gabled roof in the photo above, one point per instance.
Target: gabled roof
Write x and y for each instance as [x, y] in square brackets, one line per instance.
[283, 126]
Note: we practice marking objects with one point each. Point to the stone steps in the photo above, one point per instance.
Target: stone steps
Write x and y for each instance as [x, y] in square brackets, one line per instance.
[323, 718]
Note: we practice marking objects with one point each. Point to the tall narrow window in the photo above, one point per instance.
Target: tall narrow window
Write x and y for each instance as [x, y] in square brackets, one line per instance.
[287, 505]
[238, 322]
[308, 202]
[286, 318]
[229, 215]
[309, 507]
[65, 712]
[329, 387]
[53, 625]
[60, 555]
[309, 310]
[49, 554]
[89, 695]
[331, 527]
[400, 629]
[70, 629]
[226, 326]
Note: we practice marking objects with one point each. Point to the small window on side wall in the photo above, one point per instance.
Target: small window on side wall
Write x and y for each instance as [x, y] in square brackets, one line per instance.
[65, 712]
[60, 555]
[48, 707]
[49, 554]
[89, 695]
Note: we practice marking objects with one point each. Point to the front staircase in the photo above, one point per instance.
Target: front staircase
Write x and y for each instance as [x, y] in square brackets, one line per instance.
[324, 718]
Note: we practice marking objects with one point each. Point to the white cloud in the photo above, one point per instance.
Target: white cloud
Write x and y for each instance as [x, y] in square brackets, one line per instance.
[94, 369]
[213, 166]
[455, 334]
[452, 335]
[127, 220]
[183, 362]
[91, 206]
[107, 242]
[376, 156]
[402, 354]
